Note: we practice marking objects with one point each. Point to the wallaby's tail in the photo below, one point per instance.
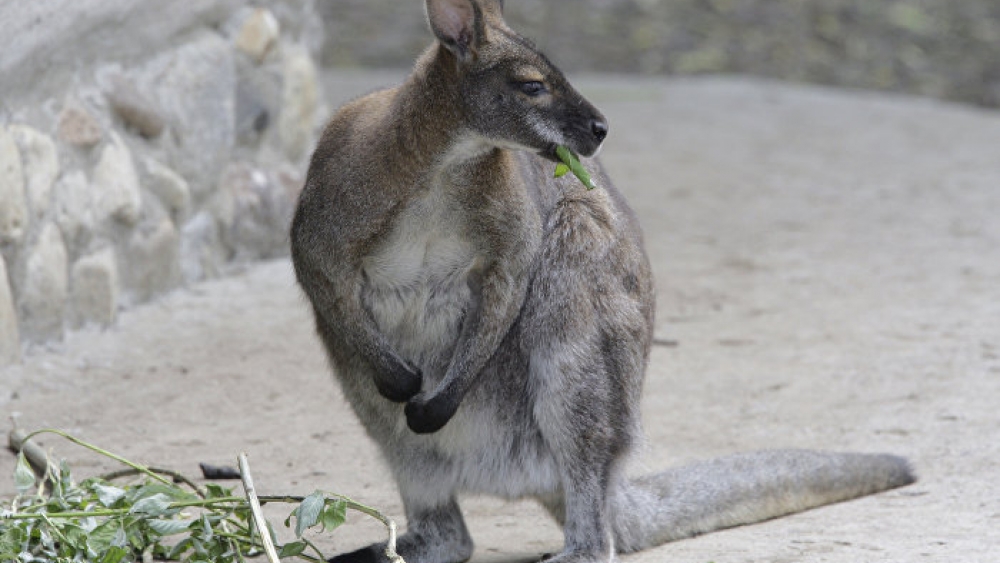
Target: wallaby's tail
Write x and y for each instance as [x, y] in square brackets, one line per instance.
[742, 489]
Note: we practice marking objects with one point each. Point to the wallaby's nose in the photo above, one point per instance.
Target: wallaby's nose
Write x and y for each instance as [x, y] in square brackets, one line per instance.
[599, 128]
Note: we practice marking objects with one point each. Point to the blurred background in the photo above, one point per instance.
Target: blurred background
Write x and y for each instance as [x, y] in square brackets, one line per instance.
[942, 48]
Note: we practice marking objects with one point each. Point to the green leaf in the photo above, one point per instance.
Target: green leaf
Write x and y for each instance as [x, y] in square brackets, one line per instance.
[292, 549]
[24, 476]
[120, 539]
[172, 493]
[169, 527]
[10, 541]
[207, 534]
[182, 547]
[573, 163]
[307, 513]
[333, 515]
[561, 169]
[564, 154]
[156, 505]
[100, 538]
[214, 490]
[75, 537]
[108, 495]
[114, 554]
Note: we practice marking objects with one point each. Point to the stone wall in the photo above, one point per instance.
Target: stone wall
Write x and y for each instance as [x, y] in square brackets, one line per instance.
[144, 146]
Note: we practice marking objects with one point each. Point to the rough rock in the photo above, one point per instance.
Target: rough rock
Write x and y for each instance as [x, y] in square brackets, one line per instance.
[195, 85]
[135, 108]
[258, 34]
[202, 252]
[254, 210]
[168, 186]
[14, 211]
[94, 293]
[299, 102]
[258, 100]
[152, 257]
[73, 208]
[10, 338]
[116, 183]
[42, 298]
[78, 126]
[40, 160]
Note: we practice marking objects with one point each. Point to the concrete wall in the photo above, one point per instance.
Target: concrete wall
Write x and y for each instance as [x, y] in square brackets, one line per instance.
[144, 145]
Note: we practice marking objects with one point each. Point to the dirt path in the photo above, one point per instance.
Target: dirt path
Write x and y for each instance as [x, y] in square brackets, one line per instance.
[828, 266]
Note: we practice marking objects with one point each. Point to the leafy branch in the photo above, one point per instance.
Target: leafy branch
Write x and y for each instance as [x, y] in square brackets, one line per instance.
[96, 521]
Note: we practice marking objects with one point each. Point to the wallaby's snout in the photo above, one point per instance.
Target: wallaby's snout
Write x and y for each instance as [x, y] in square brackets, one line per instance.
[559, 116]
[593, 129]
[599, 127]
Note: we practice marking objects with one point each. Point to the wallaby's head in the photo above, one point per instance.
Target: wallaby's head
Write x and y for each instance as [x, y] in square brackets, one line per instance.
[509, 92]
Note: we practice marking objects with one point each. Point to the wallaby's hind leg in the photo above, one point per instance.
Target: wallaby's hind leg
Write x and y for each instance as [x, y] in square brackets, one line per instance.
[434, 534]
[588, 438]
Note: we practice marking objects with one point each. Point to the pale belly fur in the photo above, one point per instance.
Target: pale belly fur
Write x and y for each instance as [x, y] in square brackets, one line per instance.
[417, 285]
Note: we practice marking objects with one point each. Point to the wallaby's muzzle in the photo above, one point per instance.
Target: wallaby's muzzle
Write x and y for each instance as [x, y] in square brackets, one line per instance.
[586, 144]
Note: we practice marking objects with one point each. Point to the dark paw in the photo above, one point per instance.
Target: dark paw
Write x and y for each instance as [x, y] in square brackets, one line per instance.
[363, 555]
[425, 416]
[401, 384]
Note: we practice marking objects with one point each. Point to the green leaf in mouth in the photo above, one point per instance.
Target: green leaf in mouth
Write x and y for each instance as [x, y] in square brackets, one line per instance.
[571, 163]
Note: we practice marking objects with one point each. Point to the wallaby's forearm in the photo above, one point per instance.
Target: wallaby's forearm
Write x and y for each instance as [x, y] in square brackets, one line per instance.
[343, 316]
[496, 301]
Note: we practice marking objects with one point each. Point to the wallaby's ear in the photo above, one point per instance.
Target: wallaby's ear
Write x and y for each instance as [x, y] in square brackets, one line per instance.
[458, 25]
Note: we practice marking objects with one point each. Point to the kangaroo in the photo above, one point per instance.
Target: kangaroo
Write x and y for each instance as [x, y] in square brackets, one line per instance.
[490, 324]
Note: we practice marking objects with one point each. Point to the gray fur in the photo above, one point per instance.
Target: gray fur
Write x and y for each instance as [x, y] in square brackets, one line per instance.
[490, 325]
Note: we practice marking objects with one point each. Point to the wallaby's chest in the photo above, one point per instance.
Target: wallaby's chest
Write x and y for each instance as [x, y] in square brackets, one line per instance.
[416, 281]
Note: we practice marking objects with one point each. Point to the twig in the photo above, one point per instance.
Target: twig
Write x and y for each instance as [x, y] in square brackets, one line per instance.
[258, 515]
[138, 467]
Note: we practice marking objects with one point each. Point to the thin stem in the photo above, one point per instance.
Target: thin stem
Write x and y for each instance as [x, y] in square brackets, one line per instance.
[138, 467]
[55, 531]
[63, 515]
[200, 503]
[321, 558]
[390, 547]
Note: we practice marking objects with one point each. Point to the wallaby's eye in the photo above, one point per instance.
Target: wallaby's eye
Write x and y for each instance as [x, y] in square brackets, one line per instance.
[532, 88]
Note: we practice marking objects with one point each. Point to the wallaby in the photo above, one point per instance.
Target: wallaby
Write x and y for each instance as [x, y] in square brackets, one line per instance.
[490, 324]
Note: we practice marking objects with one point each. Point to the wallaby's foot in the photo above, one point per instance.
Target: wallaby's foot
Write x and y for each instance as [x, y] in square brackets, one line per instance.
[368, 554]
[577, 557]
[413, 549]
[434, 535]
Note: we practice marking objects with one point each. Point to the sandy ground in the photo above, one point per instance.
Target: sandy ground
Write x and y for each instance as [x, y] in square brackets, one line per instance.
[828, 266]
